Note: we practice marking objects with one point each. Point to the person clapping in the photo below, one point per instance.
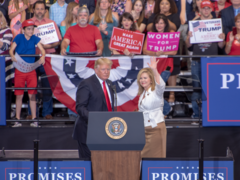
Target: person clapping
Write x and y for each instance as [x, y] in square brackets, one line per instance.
[233, 39]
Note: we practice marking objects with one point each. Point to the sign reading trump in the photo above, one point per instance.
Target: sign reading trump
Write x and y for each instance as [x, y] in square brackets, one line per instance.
[221, 84]
[205, 30]
[47, 33]
[163, 41]
[123, 39]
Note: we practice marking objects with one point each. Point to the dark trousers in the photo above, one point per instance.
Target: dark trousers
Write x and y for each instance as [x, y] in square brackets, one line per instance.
[83, 151]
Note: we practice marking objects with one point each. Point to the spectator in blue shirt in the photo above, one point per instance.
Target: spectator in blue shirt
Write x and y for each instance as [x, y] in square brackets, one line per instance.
[57, 11]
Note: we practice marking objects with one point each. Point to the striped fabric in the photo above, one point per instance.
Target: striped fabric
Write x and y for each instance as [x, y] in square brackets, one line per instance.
[6, 37]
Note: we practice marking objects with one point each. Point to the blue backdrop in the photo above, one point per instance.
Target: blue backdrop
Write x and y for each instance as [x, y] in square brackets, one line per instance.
[2, 92]
[221, 84]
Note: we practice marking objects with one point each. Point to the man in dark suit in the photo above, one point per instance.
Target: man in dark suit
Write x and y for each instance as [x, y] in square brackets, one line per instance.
[93, 94]
[228, 16]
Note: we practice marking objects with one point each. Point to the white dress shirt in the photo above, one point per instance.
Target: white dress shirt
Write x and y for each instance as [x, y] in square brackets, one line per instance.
[101, 82]
[152, 105]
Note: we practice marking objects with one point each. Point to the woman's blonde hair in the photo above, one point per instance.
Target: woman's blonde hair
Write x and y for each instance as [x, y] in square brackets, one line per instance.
[69, 17]
[97, 17]
[149, 72]
[103, 61]
[16, 3]
[4, 22]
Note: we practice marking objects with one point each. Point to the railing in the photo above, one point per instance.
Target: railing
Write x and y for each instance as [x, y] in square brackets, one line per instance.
[167, 89]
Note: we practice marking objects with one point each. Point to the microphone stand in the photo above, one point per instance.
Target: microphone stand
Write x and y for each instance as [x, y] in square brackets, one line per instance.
[115, 97]
[200, 144]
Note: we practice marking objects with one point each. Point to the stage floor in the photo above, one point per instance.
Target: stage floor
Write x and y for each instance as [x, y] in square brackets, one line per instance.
[181, 140]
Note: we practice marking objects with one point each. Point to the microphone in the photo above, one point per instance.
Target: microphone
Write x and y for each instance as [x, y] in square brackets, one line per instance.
[113, 87]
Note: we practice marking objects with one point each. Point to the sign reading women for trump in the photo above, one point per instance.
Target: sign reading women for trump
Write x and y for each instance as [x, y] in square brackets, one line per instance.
[205, 30]
[47, 33]
[163, 41]
[123, 39]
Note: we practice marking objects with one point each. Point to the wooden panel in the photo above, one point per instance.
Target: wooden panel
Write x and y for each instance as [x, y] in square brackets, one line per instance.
[116, 165]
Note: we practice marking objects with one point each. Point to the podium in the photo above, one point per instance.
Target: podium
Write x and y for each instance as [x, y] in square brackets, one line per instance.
[116, 140]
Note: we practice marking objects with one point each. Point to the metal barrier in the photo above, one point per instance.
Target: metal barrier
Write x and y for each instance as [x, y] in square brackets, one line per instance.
[167, 89]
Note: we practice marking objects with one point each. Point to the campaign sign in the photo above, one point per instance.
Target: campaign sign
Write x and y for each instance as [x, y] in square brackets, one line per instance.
[205, 30]
[123, 39]
[186, 170]
[47, 170]
[47, 33]
[163, 41]
[2, 92]
[221, 84]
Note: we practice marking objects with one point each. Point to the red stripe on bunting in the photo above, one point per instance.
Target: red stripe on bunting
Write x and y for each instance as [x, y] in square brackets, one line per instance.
[130, 105]
[56, 86]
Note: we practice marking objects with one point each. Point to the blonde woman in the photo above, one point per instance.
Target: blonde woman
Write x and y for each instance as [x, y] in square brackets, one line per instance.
[151, 88]
[16, 12]
[70, 19]
[105, 20]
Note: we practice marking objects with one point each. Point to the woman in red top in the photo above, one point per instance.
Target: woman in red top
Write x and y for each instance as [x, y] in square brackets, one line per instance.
[125, 22]
[220, 5]
[233, 39]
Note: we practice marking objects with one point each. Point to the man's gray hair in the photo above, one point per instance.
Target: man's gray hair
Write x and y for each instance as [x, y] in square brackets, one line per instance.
[83, 10]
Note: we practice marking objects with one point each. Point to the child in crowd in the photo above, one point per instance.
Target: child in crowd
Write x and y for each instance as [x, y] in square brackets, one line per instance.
[17, 14]
[25, 44]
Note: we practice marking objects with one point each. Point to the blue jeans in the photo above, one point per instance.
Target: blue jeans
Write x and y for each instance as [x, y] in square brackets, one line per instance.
[71, 113]
[196, 75]
[47, 94]
[166, 107]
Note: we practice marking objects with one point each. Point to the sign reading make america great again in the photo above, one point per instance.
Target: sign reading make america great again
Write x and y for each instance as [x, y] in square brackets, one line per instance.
[123, 39]
[47, 33]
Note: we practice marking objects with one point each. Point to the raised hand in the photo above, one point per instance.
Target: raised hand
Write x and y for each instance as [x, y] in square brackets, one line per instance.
[153, 63]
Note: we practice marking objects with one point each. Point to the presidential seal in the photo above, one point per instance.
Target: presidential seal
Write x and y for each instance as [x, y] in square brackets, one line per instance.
[116, 128]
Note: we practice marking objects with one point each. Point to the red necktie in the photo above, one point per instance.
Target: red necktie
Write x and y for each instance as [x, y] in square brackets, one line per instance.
[106, 97]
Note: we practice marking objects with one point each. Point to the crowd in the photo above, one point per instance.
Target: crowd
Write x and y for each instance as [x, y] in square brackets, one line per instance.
[87, 25]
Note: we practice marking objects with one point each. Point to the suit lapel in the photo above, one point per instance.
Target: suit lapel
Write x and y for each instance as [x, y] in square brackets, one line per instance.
[231, 12]
[99, 86]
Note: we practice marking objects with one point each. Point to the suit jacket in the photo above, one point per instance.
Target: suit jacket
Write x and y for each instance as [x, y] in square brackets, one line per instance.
[228, 16]
[89, 97]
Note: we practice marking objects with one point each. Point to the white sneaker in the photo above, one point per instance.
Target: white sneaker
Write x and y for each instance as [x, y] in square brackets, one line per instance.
[17, 124]
[195, 123]
[34, 124]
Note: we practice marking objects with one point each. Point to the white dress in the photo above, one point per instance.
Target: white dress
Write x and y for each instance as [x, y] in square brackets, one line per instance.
[152, 105]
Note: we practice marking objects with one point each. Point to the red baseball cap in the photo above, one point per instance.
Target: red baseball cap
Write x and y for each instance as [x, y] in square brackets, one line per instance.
[27, 23]
[206, 3]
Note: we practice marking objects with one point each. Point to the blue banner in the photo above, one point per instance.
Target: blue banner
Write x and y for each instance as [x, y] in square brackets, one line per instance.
[2, 92]
[47, 170]
[221, 84]
[186, 170]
